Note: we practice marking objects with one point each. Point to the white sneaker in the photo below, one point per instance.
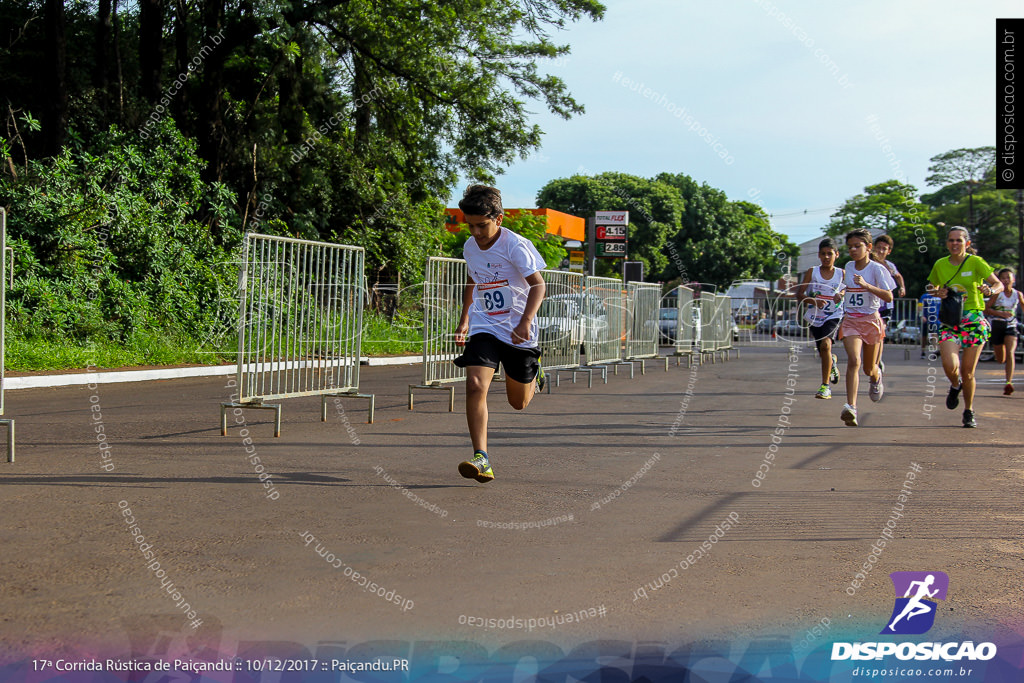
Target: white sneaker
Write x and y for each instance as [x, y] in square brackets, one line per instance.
[849, 415]
[876, 389]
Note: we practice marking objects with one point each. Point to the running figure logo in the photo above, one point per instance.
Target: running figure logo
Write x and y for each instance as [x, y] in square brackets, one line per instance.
[915, 607]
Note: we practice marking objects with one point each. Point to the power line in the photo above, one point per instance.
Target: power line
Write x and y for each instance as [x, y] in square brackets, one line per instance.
[805, 212]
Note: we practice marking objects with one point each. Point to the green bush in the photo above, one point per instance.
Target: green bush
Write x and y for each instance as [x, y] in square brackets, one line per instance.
[110, 248]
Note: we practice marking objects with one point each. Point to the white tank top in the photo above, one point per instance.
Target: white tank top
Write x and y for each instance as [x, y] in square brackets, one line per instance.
[1006, 302]
[820, 287]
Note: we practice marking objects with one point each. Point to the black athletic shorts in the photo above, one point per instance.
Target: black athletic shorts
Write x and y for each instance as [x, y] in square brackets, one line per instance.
[483, 349]
[826, 330]
[1002, 328]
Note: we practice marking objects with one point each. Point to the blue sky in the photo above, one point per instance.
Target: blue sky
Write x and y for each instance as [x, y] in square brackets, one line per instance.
[798, 96]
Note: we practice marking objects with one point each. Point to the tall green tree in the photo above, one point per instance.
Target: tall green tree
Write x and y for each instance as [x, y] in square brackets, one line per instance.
[345, 120]
[654, 210]
[892, 207]
[967, 195]
[718, 240]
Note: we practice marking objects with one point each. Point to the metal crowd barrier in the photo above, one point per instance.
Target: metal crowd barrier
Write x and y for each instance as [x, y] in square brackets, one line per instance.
[604, 323]
[3, 330]
[724, 322]
[708, 336]
[443, 287]
[300, 323]
[560, 325]
[643, 299]
[686, 326]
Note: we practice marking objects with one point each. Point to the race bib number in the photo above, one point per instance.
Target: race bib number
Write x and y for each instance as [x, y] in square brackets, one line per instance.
[856, 299]
[829, 307]
[494, 298]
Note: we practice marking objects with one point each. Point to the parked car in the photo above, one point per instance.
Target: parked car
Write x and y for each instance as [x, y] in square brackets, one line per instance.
[789, 328]
[558, 321]
[763, 326]
[592, 318]
[668, 320]
[735, 329]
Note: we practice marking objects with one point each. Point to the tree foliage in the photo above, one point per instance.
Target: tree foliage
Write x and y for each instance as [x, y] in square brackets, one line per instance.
[681, 231]
[892, 207]
[968, 197]
[347, 120]
[344, 121]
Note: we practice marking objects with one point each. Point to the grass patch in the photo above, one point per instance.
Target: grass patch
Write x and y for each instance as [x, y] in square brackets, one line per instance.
[40, 353]
[402, 335]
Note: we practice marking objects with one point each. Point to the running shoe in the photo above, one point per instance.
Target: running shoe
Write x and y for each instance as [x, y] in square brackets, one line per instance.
[953, 397]
[1008, 389]
[849, 415]
[541, 379]
[823, 392]
[833, 375]
[478, 468]
[876, 389]
[881, 365]
[969, 420]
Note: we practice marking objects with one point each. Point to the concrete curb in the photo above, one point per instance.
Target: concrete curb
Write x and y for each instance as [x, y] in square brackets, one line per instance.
[83, 378]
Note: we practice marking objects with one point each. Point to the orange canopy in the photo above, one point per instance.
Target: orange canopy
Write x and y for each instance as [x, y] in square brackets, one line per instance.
[561, 224]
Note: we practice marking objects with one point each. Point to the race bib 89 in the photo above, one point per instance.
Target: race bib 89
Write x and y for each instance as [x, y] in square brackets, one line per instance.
[494, 298]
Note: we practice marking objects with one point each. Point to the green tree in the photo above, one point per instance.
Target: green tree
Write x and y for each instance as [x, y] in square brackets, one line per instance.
[967, 195]
[718, 240]
[340, 120]
[654, 210]
[892, 207]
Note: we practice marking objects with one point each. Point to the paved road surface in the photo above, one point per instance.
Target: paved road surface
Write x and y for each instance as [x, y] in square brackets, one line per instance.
[617, 487]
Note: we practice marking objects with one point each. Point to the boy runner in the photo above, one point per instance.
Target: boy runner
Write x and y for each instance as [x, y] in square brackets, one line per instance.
[499, 304]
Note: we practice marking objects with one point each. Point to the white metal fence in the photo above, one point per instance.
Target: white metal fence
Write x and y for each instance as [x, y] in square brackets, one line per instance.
[604, 321]
[300, 323]
[643, 300]
[3, 330]
[560, 324]
[687, 324]
[443, 287]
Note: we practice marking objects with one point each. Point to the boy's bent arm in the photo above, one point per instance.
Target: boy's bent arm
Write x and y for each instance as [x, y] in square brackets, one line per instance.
[533, 301]
[537, 291]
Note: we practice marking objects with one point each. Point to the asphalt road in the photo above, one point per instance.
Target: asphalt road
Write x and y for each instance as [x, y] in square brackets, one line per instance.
[633, 506]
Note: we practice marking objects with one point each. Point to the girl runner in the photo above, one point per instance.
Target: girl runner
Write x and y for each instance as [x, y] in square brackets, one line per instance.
[1002, 312]
[867, 283]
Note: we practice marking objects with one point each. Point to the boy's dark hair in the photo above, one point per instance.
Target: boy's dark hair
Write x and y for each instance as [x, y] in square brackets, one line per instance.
[1004, 270]
[481, 200]
[886, 240]
[827, 243]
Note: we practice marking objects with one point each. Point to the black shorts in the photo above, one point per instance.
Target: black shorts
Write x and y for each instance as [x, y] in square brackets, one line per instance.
[886, 314]
[826, 330]
[486, 350]
[1001, 329]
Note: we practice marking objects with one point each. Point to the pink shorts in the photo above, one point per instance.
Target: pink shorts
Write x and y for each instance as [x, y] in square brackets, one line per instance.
[869, 328]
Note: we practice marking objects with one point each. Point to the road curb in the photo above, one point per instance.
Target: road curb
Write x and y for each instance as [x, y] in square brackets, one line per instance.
[108, 377]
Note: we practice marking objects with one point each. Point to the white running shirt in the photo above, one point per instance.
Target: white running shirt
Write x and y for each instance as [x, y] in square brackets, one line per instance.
[500, 273]
[894, 271]
[822, 288]
[859, 302]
